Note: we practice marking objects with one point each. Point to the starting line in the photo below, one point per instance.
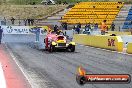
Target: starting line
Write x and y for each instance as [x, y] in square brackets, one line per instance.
[2, 78]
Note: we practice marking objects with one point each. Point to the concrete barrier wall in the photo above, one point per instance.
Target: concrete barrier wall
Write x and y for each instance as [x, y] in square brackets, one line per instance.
[129, 48]
[106, 42]
[21, 38]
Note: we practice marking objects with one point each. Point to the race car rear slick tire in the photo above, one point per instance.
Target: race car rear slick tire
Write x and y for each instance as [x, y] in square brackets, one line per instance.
[52, 48]
[72, 48]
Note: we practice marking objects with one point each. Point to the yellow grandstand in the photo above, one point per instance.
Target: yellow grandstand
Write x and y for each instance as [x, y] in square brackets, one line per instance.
[93, 12]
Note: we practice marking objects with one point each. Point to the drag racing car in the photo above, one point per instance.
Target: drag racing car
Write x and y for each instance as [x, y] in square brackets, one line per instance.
[54, 42]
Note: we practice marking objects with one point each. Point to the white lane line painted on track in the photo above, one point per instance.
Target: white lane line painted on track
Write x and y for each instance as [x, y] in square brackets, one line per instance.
[2, 78]
[18, 64]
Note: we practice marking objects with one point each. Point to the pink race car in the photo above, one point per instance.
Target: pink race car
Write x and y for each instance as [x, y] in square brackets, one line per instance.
[54, 42]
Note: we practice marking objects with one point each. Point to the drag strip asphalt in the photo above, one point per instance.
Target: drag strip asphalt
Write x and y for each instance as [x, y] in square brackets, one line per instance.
[58, 69]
